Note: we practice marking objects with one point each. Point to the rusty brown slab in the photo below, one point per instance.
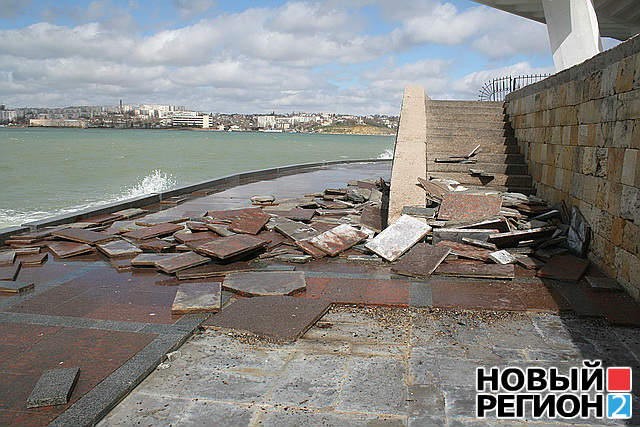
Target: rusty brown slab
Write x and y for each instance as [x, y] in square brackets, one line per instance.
[308, 248]
[250, 222]
[10, 272]
[335, 204]
[213, 269]
[421, 260]
[300, 214]
[7, 258]
[15, 287]
[150, 221]
[35, 259]
[149, 260]
[499, 224]
[229, 214]
[466, 251]
[457, 234]
[371, 217]
[119, 248]
[105, 219]
[186, 237]
[157, 230]
[220, 229]
[197, 226]
[601, 283]
[435, 190]
[260, 283]
[274, 239]
[513, 237]
[469, 207]
[154, 245]
[121, 264]
[36, 235]
[27, 251]
[487, 271]
[338, 239]
[83, 236]
[68, 249]
[180, 262]
[532, 209]
[197, 297]
[279, 318]
[530, 263]
[227, 247]
[564, 267]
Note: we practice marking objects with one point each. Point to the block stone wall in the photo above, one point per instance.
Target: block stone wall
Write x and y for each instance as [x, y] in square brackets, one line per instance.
[580, 133]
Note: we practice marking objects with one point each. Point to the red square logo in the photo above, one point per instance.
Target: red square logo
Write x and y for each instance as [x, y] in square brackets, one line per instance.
[619, 379]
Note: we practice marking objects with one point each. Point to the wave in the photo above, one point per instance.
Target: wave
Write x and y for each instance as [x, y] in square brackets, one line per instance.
[386, 154]
[156, 182]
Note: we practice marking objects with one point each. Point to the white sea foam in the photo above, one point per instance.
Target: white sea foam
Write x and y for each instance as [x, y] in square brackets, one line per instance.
[156, 182]
[386, 154]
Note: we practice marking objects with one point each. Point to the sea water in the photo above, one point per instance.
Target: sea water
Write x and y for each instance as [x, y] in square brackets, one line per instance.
[46, 172]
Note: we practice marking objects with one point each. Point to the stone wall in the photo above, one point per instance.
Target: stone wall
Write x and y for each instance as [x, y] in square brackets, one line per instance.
[580, 133]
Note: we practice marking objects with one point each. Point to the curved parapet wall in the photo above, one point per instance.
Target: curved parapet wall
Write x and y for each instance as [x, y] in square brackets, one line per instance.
[219, 183]
[410, 158]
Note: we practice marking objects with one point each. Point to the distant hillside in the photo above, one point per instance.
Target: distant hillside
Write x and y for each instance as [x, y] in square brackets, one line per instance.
[356, 129]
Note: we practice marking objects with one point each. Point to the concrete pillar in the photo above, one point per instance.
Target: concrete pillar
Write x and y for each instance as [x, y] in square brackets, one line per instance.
[573, 31]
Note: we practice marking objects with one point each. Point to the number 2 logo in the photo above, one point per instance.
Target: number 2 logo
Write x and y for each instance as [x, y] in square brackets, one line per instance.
[619, 406]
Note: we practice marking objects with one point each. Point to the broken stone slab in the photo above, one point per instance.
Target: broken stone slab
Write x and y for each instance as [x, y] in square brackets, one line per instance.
[197, 226]
[419, 211]
[338, 239]
[82, 236]
[534, 223]
[121, 264]
[175, 200]
[364, 258]
[513, 237]
[398, 238]
[469, 207]
[296, 258]
[564, 267]
[579, 234]
[502, 257]
[119, 227]
[598, 283]
[221, 230]
[359, 195]
[261, 283]
[119, 248]
[309, 249]
[465, 251]
[180, 262]
[155, 245]
[69, 249]
[15, 287]
[479, 243]
[293, 229]
[150, 220]
[371, 217]
[456, 234]
[149, 260]
[7, 258]
[435, 190]
[299, 214]
[157, 230]
[421, 260]
[336, 212]
[197, 297]
[263, 199]
[530, 263]
[185, 236]
[500, 224]
[547, 215]
[228, 247]
[278, 318]
[376, 196]
[212, 269]
[27, 251]
[250, 222]
[481, 271]
[33, 260]
[548, 253]
[130, 213]
[53, 388]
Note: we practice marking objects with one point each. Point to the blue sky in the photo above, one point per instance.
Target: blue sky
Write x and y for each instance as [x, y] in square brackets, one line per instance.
[258, 56]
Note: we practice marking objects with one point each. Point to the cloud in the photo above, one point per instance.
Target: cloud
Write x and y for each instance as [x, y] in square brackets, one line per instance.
[188, 9]
[11, 8]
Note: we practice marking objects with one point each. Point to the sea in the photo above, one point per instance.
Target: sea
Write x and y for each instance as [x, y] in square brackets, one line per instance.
[51, 171]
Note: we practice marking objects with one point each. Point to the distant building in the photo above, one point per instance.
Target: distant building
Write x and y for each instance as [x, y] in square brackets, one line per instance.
[266, 122]
[8, 116]
[65, 123]
[192, 119]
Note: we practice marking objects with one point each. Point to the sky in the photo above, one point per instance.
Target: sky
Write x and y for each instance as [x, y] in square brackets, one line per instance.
[349, 56]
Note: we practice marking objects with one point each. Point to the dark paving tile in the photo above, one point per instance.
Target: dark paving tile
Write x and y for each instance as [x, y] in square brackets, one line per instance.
[469, 207]
[564, 267]
[280, 318]
[421, 260]
[474, 295]
[358, 291]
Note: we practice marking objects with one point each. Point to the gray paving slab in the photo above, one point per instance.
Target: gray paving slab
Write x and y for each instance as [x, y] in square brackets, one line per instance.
[53, 388]
[265, 282]
[197, 297]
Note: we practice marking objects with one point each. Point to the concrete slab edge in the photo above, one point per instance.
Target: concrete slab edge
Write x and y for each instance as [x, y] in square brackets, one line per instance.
[94, 405]
[220, 183]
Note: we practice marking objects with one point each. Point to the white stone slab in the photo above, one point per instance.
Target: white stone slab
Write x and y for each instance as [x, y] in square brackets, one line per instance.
[502, 257]
[398, 238]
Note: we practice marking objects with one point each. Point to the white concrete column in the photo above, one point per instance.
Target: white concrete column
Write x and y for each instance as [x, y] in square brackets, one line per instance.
[573, 31]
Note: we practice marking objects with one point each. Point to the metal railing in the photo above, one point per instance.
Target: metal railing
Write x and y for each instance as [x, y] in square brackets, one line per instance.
[497, 89]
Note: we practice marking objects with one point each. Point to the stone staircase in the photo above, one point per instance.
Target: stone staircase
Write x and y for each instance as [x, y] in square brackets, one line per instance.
[455, 128]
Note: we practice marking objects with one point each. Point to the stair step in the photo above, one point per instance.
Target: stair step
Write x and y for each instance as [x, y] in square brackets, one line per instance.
[455, 140]
[459, 130]
[476, 125]
[467, 104]
[464, 149]
[509, 159]
[497, 180]
[501, 188]
[463, 116]
[497, 168]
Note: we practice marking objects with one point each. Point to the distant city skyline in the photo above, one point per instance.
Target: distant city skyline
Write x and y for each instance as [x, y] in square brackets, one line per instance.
[260, 56]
